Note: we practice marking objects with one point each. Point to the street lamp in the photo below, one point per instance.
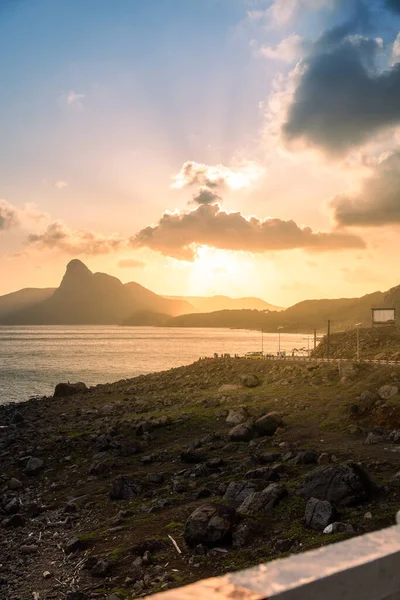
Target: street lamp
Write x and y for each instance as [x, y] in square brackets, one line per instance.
[279, 340]
[357, 325]
[262, 341]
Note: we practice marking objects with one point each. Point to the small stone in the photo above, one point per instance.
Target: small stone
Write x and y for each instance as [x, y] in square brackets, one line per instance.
[319, 514]
[15, 484]
[34, 466]
[29, 549]
[101, 568]
[368, 515]
[338, 527]
[73, 545]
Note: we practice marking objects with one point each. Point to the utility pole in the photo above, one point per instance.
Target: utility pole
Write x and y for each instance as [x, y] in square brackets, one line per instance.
[328, 343]
[358, 339]
[262, 341]
[315, 339]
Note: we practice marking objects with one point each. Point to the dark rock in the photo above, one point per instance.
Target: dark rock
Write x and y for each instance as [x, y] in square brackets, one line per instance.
[76, 596]
[13, 506]
[125, 488]
[14, 521]
[395, 436]
[268, 473]
[242, 433]
[192, 457]
[209, 525]
[237, 415]
[215, 463]
[268, 424]
[319, 513]
[100, 467]
[305, 457]
[203, 493]
[374, 438]
[73, 545]
[17, 418]
[69, 389]
[338, 527]
[29, 549]
[34, 466]
[237, 491]
[200, 471]
[263, 501]
[250, 380]
[155, 478]
[324, 459]
[15, 484]
[343, 485]
[101, 568]
[268, 457]
[242, 535]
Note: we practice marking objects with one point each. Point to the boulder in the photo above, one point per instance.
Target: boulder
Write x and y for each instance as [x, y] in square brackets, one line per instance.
[192, 457]
[241, 535]
[237, 415]
[250, 380]
[237, 491]
[268, 424]
[242, 433]
[125, 488]
[318, 514]
[209, 525]
[338, 527]
[155, 478]
[305, 457]
[101, 568]
[268, 457]
[69, 389]
[343, 485]
[263, 501]
[374, 438]
[34, 466]
[271, 473]
[15, 484]
[388, 391]
[395, 436]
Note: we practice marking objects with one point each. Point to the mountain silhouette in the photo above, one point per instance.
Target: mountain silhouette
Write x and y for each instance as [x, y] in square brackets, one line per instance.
[86, 298]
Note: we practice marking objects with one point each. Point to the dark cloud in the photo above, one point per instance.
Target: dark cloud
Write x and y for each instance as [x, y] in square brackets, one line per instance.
[378, 202]
[130, 263]
[394, 5]
[341, 99]
[178, 234]
[58, 236]
[205, 196]
[8, 215]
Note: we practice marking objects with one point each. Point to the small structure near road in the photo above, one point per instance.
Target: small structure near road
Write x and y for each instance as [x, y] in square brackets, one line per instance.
[383, 316]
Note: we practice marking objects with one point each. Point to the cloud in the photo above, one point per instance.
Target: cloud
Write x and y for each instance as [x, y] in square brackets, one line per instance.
[377, 203]
[193, 173]
[58, 236]
[178, 234]
[130, 263]
[75, 100]
[205, 196]
[60, 184]
[396, 50]
[8, 215]
[289, 50]
[341, 99]
[394, 5]
[281, 12]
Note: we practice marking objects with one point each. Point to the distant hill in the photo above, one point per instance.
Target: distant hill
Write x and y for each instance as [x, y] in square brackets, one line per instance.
[16, 301]
[304, 316]
[86, 298]
[205, 304]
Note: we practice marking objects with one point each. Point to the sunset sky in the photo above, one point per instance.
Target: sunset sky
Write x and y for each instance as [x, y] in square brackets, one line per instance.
[240, 147]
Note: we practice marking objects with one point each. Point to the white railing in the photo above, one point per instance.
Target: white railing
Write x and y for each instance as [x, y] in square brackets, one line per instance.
[362, 568]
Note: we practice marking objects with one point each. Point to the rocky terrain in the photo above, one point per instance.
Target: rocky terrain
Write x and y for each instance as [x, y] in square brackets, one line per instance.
[376, 343]
[126, 489]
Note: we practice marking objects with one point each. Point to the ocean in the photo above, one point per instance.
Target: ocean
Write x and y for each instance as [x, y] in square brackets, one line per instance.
[34, 359]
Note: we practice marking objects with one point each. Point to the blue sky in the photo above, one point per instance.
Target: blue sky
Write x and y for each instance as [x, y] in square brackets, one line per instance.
[102, 103]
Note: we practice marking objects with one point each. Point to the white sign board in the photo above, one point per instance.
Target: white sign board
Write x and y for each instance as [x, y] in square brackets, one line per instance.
[383, 315]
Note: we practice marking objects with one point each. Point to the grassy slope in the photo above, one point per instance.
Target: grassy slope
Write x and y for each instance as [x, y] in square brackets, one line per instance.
[316, 411]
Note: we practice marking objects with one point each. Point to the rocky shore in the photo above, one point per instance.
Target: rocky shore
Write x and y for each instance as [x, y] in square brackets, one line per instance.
[127, 489]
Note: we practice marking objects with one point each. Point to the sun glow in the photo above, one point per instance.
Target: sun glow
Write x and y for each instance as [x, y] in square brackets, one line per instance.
[220, 272]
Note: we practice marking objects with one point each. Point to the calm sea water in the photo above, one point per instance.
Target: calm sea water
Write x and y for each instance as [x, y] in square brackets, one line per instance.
[34, 359]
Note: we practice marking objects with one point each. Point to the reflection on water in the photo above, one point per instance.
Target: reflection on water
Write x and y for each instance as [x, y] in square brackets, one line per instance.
[34, 359]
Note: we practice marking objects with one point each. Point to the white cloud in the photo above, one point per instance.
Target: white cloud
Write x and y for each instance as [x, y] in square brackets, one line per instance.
[60, 184]
[396, 49]
[214, 176]
[288, 50]
[75, 100]
[281, 12]
[58, 236]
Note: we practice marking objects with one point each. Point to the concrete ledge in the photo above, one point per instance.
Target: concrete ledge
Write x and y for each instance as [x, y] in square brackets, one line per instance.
[363, 568]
